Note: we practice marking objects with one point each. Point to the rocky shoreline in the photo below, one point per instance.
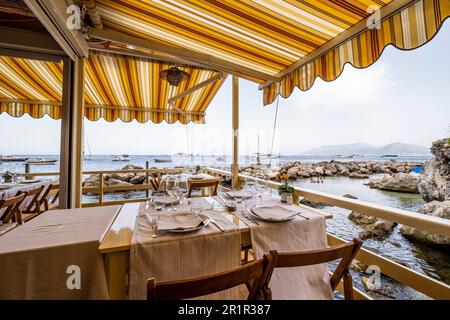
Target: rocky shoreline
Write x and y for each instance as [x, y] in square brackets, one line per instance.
[353, 169]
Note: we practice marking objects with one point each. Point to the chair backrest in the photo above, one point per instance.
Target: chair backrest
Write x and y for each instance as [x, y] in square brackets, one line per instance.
[34, 205]
[253, 274]
[203, 184]
[153, 182]
[12, 206]
[44, 197]
[345, 252]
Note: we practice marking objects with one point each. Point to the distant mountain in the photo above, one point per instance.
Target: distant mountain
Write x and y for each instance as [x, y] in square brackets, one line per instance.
[401, 149]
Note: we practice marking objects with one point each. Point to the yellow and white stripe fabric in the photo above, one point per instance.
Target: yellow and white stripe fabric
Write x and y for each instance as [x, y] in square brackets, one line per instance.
[116, 87]
[30, 86]
[128, 88]
[264, 35]
[408, 29]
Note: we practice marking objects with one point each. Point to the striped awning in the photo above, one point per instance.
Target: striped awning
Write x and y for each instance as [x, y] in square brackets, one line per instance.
[30, 86]
[128, 88]
[116, 87]
[272, 37]
[408, 29]
[264, 35]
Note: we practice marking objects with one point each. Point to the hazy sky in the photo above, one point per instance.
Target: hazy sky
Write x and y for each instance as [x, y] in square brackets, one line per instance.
[404, 97]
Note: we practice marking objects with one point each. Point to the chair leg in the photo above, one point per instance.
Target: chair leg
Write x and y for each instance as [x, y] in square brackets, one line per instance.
[348, 285]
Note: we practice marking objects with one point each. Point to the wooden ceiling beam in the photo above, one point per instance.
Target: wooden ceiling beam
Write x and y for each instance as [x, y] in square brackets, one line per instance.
[15, 7]
[385, 12]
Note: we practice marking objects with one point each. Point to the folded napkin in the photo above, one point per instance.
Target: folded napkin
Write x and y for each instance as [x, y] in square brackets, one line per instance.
[241, 194]
[276, 212]
[179, 221]
[166, 200]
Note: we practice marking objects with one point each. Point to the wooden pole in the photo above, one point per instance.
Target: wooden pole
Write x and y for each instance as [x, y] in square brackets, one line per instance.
[77, 132]
[72, 134]
[235, 113]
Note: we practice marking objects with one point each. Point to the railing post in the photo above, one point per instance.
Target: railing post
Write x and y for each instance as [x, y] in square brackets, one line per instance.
[235, 111]
[146, 179]
[100, 192]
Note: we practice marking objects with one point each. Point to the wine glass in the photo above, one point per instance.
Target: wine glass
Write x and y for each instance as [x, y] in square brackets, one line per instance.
[250, 184]
[158, 201]
[249, 205]
[196, 209]
[171, 188]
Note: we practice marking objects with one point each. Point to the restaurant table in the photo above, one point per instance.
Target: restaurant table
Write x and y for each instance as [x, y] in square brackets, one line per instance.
[45, 257]
[118, 241]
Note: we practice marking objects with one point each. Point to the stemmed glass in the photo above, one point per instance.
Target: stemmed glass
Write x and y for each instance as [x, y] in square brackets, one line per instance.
[250, 184]
[249, 205]
[261, 188]
[171, 188]
[196, 209]
[158, 202]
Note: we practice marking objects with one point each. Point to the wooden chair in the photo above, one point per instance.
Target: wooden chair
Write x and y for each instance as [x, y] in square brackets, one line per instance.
[44, 200]
[34, 207]
[345, 252]
[12, 206]
[201, 185]
[153, 182]
[254, 275]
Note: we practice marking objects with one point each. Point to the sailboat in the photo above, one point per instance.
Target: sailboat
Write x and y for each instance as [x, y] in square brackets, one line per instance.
[88, 157]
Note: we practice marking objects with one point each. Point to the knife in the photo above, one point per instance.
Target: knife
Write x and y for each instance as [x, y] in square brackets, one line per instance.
[216, 224]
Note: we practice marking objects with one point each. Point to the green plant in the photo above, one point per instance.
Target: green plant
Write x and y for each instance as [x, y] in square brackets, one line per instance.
[7, 176]
[285, 187]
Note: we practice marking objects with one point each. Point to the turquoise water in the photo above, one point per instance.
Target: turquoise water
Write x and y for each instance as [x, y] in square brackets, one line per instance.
[424, 259]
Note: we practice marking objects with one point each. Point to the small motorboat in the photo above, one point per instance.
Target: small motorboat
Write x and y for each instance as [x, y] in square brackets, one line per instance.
[162, 160]
[40, 161]
[124, 157]
[13, 159]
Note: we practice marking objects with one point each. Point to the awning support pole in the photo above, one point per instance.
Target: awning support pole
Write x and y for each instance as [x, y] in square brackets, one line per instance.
[72, 134]
[235, 113]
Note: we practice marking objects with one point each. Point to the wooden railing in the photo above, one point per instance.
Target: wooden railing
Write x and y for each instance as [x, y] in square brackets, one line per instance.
[420, 282]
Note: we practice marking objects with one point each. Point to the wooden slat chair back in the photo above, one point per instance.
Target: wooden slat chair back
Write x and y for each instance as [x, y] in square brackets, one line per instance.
[192, 185]
[253, 275]
[345, 252]
[153, 182]
[34, 208]
[44, 199]
[12, 206]
[55, 194]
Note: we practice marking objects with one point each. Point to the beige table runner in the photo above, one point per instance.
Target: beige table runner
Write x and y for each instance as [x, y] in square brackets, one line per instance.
[35, 257]
[298, 234]
[173, 256]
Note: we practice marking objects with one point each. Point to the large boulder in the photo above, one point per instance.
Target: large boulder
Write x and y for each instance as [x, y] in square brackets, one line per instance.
[379, 229]
[132, 167]
[319, 171]
[116, 182]
[362, 219]
[123, 176]
[402, 182]
[91, 181]
[138, 178]
[435, 182]
[358, 175]
[435, 209]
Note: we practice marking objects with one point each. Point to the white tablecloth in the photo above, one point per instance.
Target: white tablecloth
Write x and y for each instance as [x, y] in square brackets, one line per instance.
[11, 192]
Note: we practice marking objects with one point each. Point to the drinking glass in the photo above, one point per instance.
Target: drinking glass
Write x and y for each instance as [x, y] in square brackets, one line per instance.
[158, 201]
[171, 188]
[249, 205]
[196, 209]
[154, 220]
[250, 184]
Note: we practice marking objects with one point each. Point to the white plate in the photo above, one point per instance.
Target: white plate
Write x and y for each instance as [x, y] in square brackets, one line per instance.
[255, 215]
[205, 220]
[5, 186]
[30, 181]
